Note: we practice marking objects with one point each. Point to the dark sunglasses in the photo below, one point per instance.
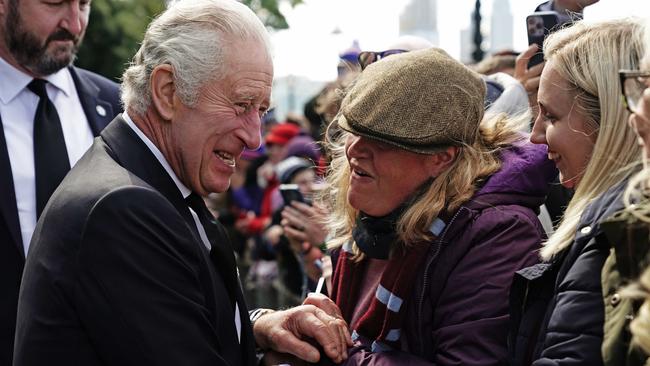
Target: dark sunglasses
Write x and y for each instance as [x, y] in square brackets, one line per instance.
[367, 57]
[633, 83]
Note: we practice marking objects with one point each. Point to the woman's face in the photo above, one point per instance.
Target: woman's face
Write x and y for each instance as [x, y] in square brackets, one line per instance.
[640, 122]
[305, 180]
[383, 176]
[563, 127]
[640, 119]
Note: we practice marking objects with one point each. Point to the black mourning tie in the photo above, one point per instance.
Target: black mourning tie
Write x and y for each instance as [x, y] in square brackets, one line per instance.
[221, 253]
[51, 161]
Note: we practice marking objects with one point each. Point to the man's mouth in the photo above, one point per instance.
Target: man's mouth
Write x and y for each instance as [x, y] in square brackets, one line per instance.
[227, 158]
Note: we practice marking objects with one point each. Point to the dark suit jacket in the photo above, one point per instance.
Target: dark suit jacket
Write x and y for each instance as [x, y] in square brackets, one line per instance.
[117, 273]
[93, 91]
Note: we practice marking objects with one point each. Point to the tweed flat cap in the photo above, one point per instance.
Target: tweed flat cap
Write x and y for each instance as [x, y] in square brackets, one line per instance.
[419, 101]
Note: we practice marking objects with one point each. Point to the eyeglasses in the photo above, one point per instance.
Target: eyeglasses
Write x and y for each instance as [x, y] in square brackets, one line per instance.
[633, 83]
[367, 57]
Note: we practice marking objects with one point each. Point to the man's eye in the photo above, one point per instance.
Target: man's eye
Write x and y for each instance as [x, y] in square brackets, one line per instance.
[263, 111]
[245, 107]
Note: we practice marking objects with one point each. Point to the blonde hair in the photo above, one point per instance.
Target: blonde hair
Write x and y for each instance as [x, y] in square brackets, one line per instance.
[588, 56]
[447, 192]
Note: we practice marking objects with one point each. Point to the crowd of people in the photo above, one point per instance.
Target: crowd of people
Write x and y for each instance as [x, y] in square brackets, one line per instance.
[421, 212]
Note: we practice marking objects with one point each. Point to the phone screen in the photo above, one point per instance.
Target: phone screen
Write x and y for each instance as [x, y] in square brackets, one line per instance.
[290, 192]
[540, 25]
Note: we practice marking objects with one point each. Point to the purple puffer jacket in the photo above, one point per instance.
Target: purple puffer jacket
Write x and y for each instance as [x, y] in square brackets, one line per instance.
[458, 312]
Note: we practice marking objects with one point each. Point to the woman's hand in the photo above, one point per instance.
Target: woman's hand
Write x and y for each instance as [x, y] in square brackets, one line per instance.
[529, 78]
[302, 222]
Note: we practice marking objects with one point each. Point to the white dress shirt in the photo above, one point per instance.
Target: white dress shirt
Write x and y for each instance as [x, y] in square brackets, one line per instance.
[17, 109]
[185, 192]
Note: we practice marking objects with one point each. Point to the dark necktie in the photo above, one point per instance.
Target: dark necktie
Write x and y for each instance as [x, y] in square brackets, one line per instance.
[221, 253]
[51, 161]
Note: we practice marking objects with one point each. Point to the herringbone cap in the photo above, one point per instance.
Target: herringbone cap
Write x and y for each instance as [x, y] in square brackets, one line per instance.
[420, 101]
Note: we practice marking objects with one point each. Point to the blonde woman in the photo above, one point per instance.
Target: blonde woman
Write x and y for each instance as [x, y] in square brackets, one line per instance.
[557, 305]
[433, 211]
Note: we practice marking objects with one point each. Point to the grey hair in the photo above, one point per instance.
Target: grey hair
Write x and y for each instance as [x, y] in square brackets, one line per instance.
[192, 36]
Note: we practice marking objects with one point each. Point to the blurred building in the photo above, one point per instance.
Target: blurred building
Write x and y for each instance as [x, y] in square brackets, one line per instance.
[501, 26]
[466, 45]
[420, 19]
[290, 93]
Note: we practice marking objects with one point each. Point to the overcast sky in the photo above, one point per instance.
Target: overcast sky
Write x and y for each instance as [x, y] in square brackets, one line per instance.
[310, 46]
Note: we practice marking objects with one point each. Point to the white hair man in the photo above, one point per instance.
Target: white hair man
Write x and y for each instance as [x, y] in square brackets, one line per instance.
[127, 267]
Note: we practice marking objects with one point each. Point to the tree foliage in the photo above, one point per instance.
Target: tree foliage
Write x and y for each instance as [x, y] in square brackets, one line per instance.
[114, 34]
[116, 29]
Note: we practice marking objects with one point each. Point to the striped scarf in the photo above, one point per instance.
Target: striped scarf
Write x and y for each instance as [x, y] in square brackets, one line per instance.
[382, 321]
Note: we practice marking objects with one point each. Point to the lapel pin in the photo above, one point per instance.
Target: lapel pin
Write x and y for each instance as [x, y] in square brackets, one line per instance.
[101, 110]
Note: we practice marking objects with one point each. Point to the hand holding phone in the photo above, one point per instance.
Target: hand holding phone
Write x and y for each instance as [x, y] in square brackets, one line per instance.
[290, 192]
[540, 25]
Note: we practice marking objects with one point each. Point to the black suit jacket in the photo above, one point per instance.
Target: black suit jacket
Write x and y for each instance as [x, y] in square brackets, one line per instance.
[117, 273]
[97, 95]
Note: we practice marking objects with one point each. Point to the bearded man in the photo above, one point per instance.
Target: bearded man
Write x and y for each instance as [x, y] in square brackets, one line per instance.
[50, 111]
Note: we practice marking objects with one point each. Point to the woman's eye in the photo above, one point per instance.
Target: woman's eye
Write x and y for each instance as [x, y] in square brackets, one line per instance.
[549, 118]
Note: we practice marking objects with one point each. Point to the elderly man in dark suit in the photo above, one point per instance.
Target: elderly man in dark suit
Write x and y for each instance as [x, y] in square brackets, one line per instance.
[50, 112]
[127, 267]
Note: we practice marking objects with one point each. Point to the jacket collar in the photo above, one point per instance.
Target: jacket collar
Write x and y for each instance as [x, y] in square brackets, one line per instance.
[131, 153]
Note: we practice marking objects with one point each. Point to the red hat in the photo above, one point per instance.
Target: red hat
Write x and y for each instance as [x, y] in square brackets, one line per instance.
[281, 134]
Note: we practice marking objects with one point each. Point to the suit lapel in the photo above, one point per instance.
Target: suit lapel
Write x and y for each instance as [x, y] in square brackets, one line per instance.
[8, 207]
[99, 112]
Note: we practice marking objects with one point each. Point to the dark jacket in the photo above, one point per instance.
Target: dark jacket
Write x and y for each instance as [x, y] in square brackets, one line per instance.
[458, 312]
[100, 100]
[630, 255]
[118, 274]
[557, 307]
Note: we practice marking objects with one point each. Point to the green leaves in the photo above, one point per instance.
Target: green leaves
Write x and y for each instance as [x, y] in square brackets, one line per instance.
[116, 29]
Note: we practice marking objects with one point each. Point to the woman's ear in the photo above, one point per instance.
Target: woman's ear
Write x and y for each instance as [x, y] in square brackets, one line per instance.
[441, 161]
[163, 91]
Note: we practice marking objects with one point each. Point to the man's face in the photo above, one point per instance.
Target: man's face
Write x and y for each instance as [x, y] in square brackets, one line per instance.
[43, 37]
[205, 141]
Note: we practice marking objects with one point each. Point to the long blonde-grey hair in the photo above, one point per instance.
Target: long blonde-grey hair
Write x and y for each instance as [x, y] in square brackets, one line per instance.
[448, 191]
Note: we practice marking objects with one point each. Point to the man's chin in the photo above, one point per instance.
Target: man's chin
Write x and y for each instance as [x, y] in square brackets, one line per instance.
[53, 62]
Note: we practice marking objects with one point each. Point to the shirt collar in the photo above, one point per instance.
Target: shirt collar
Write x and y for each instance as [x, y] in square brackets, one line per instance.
[15, 80]
[156, 152]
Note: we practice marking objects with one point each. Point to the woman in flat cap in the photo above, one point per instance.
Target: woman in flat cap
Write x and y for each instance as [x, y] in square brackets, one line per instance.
[434, 209]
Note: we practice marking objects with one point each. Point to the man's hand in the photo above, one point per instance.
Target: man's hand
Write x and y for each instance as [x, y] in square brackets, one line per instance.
[286, 331]
[529, 78]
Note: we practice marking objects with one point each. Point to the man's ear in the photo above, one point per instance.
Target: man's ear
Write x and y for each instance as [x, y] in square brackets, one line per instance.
[163, 91]
[441, 161]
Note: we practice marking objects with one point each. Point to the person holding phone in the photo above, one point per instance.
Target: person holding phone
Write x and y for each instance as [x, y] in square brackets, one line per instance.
[433, 209]
[557, 305]
[297, 229]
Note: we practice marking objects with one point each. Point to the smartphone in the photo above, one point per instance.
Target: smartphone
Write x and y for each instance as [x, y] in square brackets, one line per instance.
[540, 25]
[290, 192]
